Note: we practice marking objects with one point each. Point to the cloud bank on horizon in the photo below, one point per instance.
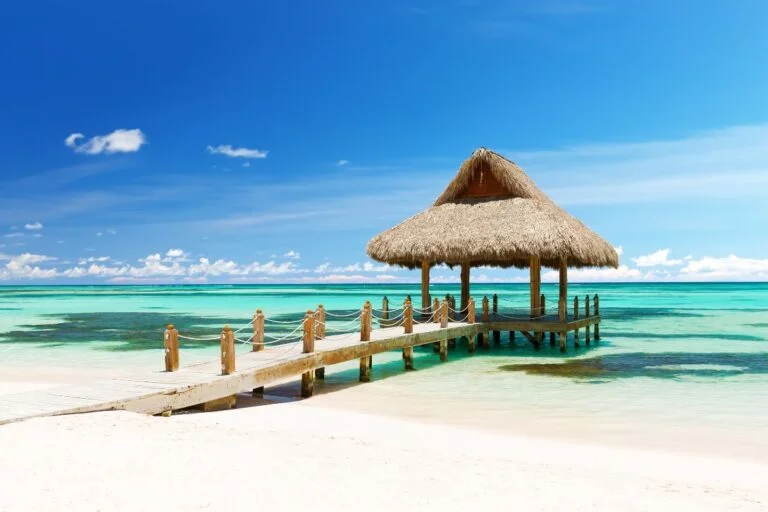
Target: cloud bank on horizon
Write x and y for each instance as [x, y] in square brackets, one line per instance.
[696, 160]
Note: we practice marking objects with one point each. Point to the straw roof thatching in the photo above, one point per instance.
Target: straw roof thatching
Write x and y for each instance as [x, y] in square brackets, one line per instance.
[518, 221]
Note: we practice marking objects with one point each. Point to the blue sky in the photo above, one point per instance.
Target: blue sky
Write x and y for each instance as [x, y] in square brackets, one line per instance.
[268, 141]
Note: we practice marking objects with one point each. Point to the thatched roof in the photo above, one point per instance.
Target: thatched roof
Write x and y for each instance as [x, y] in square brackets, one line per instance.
[492, 213]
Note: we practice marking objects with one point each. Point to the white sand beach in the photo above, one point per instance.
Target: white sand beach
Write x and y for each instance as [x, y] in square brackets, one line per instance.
[290, 455]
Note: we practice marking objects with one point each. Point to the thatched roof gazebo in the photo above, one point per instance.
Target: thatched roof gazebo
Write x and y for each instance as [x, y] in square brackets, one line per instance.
[493, 214]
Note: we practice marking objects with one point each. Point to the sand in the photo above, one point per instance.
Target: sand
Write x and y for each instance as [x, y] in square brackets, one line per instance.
[296, 455]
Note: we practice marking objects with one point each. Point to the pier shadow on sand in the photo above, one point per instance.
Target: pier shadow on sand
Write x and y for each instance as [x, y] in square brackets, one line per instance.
[675, 365]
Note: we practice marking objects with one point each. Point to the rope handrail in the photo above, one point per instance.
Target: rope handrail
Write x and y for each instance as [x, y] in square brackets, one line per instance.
[193, 338]
[282, 322]
[337, 315]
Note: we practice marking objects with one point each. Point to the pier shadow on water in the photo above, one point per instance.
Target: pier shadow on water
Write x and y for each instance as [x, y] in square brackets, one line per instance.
[674, 365]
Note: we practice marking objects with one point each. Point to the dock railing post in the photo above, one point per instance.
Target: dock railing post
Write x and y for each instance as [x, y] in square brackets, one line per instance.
[576, 317]
[443, 343]
[365, 335]
[257, 342]
[319, 335]
[408, 317]
[586, 315]
[308, 346]
[435, 310]
[385, 308]
[486, 316]
[471, 311]
[562, 316]
[171, 347]
[408, 328]
[227, 343]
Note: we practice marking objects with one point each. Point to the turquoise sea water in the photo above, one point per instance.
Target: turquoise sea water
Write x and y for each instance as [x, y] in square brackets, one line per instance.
[671, 355]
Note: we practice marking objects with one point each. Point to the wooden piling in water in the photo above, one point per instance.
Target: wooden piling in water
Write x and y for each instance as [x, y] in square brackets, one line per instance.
[227, 345]
[586, 315]
[308, 378]
[365, 335]
[451, 318]
[597, 313]
[576, 317]
[563, 339]
[171, 347]
[385, 308]
[482, 337]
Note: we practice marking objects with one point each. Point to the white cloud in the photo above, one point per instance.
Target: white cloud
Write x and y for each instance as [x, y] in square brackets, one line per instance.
[93, 259]
[99, 233]
[33, 226]
[342, 163]
[292, 255]
[111, 231]
[623, 273]
[14, 235]
[656, 259]
[619, 250]
[731, 267]
[231, 152]
[24, 266]
[246, 164]
[354, 267]
[119, 141]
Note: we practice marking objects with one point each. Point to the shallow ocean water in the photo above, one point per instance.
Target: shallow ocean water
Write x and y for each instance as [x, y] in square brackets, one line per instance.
[689, 358]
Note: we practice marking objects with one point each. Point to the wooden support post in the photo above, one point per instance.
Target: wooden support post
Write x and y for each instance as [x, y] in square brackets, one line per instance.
[452, 318]
[425, 286]
[408, 317]
[552, 339]
[597, 313]
[444, 350]
[512, 338]
[586, 315]
[436, 310]
[496, 334]
[486, 315]
[576, 317]
[320, 335]
[563, 338]
[535, 264]
[227, 344]
[171, 346]
[385, 308]
[542, 313]
[258, 343]
[258, 331]
[562, 304]
[365, 335]
[471, 310]
[408, 358]
[308, 378]
[464, 285]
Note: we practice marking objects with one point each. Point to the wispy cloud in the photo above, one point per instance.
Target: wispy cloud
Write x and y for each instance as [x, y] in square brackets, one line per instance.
[228, 150]
[33, 226]
[659, 258]
[119, 141]
[342, 163]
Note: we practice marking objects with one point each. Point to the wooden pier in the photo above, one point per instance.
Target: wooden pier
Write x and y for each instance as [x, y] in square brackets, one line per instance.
[213, 385]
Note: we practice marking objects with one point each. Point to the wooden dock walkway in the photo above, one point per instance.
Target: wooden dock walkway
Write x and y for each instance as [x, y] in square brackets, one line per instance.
[213, 385]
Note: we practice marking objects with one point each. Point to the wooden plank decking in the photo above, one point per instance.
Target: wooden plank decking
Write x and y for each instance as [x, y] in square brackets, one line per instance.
[159, 392]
